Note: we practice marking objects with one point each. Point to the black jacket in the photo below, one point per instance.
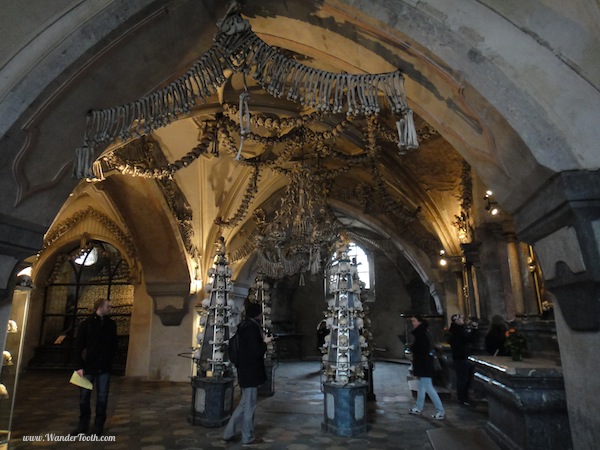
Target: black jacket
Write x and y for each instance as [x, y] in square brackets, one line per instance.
[421, 350]
[460, 340]
[96, 345]
[251, 364]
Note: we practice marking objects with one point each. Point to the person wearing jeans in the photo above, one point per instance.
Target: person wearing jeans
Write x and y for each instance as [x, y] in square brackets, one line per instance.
[95, 347]
[251, 374]
[423, 368]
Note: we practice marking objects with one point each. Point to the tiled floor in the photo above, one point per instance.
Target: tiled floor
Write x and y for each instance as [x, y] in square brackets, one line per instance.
[154, 415]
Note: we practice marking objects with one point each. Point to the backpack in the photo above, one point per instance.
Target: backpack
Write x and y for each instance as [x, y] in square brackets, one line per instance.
[233, 347]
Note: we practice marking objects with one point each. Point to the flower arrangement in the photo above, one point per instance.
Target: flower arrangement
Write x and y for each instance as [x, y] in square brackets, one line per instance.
[515, 344]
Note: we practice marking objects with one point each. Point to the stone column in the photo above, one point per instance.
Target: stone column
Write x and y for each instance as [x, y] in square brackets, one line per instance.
[531, 288]
[514, 268]
[471, 282]
[562, 222]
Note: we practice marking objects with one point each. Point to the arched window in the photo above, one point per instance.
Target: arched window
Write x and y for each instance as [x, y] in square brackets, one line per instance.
[364, 268]
[78, 279]
[362, 261]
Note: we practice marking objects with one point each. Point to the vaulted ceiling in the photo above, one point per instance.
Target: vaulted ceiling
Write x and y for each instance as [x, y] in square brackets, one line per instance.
[405, 202]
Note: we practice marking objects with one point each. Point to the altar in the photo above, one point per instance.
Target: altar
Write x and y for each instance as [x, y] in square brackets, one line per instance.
[527, 402]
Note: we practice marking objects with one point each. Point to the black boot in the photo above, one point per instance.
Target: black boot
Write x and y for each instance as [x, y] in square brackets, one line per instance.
[81, 429]
[98, 428]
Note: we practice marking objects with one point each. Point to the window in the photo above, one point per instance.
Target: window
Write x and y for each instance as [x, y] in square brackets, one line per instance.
[363, 267]
[362, 263]
[79, 278]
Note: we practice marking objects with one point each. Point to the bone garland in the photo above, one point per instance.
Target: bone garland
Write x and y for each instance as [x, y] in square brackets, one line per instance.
[251, 191]
[244, 121]
[113, 162]
[237, 48]
[322, 90]
[276, 124]
[403, 214]
[245, 249]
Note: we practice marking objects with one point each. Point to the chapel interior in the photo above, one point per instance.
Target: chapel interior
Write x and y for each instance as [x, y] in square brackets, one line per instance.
[467, 183]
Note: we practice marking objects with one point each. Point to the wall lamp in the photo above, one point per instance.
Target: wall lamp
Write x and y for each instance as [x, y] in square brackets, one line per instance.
[443, 262]
[490, 206]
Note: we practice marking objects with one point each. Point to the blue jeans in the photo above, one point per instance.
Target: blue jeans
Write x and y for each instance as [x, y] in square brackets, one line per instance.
[101, 384]
[426, 387]
[243, 416]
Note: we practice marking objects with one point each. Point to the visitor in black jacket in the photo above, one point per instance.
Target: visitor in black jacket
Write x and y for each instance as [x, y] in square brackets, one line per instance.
[251, 374]
[95, 347]
[461, 338]
[422, 351]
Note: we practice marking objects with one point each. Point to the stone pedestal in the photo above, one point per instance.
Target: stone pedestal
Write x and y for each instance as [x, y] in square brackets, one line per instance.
[212, 401]
[345, 409]
[527, 402]
[268, 388]
[369, 379]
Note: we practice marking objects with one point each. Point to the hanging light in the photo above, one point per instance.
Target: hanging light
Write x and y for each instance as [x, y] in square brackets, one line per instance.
[303, 230]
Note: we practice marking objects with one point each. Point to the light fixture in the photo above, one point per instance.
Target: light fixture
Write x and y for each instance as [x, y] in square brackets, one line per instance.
[301, 235]
[489, 204]
[24, 281]
[197, 281]
[443, 262]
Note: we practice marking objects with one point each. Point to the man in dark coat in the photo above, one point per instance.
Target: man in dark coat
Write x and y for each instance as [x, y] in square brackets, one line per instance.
[251, 374]
[95, 347]
[461, 337]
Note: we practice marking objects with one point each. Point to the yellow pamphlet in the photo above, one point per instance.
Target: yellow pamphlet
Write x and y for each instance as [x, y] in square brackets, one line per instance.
[81, 381]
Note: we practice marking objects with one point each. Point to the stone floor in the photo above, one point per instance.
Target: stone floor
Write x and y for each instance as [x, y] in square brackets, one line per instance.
[155, 415]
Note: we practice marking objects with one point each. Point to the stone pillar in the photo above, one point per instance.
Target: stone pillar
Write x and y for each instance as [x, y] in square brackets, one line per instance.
[514, 268]
[562, 222]
[529, 276]
[20, 240]
[471, 283]
[212, 401]
[345, 409]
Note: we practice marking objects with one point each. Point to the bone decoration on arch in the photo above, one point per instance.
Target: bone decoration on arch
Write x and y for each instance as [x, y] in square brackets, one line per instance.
[238, 50]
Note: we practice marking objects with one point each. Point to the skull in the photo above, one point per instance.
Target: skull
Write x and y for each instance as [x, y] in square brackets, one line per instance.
[12, 326]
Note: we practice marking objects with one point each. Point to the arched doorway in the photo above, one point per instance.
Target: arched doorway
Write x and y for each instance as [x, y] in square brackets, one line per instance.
[79, 277]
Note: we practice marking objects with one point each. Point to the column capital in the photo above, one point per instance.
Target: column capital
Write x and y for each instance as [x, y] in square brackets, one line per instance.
[171, 301]
[562, 222]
